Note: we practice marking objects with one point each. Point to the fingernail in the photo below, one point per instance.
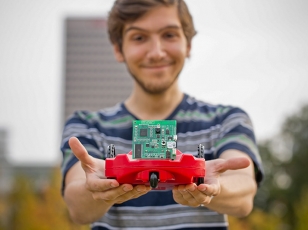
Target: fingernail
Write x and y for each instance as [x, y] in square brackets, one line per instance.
[113, 185]
[127, 188]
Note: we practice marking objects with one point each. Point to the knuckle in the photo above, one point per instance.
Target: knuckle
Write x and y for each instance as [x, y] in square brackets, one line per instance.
[92, 185]
[200, 200]
[184, 192]
[107, 196]
[96, 196]
[102, 196]
[88, 187]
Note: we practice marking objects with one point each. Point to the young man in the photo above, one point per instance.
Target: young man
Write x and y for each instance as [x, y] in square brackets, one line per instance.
[153, 38]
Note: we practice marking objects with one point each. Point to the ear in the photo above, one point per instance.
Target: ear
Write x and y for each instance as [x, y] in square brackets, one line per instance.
[118, 53]
[188, 50]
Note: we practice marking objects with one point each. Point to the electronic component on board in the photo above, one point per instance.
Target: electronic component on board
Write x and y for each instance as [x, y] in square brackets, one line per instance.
[154, 139]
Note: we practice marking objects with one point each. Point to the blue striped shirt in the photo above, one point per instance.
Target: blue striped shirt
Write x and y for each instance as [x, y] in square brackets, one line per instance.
[217, 127]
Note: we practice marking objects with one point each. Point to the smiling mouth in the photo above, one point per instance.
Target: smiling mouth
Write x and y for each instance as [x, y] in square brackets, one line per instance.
[157, 66]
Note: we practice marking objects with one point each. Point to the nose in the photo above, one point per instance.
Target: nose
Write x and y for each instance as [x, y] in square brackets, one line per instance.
[156, 50]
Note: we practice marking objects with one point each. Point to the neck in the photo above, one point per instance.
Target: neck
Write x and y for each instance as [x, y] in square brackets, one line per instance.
[147, 106]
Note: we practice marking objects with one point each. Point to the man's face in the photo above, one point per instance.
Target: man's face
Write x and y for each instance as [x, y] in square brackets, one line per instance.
[154, 49]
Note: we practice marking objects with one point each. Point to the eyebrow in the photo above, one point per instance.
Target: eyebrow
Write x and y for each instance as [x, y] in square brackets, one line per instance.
[141, 29]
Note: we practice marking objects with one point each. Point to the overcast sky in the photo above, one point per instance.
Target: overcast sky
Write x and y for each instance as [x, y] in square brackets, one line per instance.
[247, 53]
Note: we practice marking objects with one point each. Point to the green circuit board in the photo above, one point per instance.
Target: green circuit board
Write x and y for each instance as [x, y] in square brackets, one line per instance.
[154, 139]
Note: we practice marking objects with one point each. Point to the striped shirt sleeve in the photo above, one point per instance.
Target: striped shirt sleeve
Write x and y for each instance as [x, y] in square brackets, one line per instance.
[80, 125]
[237, 133]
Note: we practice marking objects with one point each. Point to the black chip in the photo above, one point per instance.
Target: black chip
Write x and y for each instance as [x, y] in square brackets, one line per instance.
[167, 131]
[158, 136]
[137, 150]
[168, 154]
[143, 132]
[147, 145]
[157, 130]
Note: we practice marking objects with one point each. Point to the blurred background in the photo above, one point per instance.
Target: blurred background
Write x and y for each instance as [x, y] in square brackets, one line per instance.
[56, 57]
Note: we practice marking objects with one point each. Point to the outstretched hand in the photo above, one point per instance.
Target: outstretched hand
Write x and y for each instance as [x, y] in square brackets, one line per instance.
[194, 196]
[102, 188]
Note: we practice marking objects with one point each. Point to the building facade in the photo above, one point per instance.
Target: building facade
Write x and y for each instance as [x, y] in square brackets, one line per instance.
[93, 78]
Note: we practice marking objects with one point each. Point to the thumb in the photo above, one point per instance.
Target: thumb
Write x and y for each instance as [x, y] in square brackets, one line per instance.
[81, 153]
[234, 164]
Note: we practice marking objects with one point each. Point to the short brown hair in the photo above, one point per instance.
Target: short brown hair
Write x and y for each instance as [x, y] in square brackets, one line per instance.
[124, 11]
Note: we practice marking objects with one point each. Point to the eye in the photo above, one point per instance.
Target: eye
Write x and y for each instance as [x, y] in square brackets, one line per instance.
[138, 38]
[170, 35]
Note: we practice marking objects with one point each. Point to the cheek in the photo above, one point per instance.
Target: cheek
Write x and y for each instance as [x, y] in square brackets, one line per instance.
[178, 51]
[133, 54]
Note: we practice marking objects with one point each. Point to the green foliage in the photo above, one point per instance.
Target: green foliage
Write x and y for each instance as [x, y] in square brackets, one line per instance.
[282, 200]
[3, 210]
[301, 211]
[43, 209]
[285, 160]
[257, 220]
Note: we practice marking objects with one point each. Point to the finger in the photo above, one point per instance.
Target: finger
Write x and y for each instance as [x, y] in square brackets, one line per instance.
[180, 191]
[233, 164]
[177, 196]
[196, 192]
[80, 152]
[137, 191]
[112, 194]
[98, 185]
[196, 197]
[123, 193]
[199, 196]
[206, 200]
[181, 188]
[187, 194]
[209, 189]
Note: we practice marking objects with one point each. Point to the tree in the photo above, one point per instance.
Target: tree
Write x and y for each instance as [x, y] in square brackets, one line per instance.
[301, 211]
[282, 199]
[257, 220]
[285, 160]
[42, 209]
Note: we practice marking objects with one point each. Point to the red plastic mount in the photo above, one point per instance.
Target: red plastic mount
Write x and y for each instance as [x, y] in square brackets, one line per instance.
[184, 169]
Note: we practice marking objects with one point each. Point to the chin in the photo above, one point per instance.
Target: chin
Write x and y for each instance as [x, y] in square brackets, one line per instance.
[155, 91]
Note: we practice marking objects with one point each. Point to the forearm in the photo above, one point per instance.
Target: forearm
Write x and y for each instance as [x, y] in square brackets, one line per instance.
[236, 196]
[88, 193]
[82, 207]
